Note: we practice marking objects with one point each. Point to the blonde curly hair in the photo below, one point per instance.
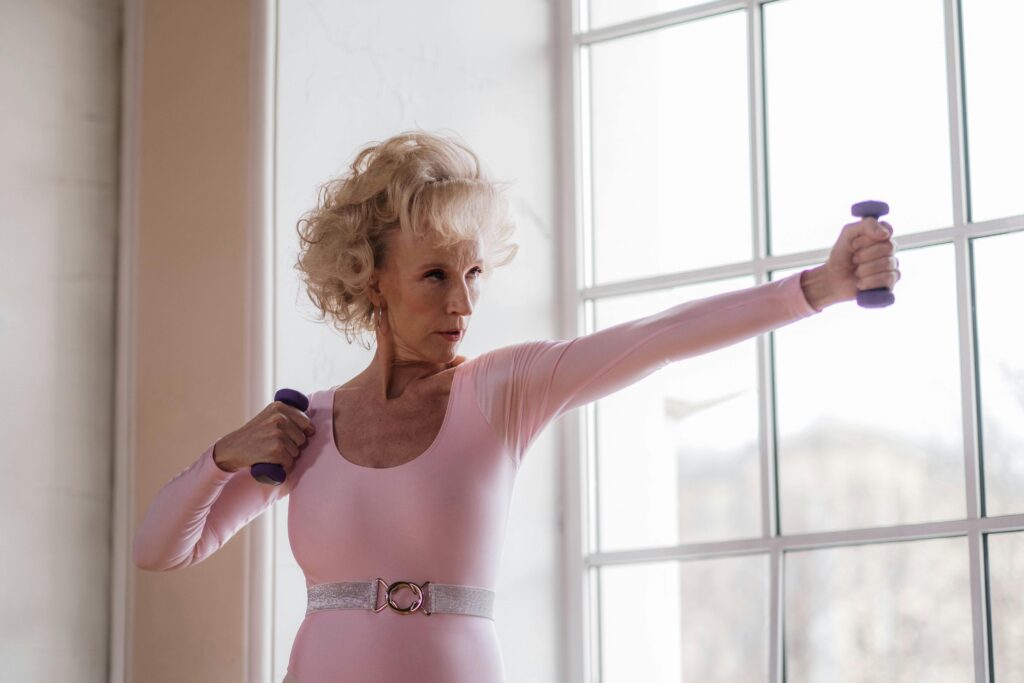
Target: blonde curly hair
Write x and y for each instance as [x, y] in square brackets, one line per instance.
[430, 185]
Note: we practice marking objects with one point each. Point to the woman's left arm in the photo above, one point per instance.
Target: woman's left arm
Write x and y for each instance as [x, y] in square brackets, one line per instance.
[597, 364]
[521, 388]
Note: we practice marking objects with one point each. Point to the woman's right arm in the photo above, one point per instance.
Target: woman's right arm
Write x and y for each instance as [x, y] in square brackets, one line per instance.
[197, 511]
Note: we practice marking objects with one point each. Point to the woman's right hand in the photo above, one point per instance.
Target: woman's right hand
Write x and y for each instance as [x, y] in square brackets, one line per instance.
[275, 435]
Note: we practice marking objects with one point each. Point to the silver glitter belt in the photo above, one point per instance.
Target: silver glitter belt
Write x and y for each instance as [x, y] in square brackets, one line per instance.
[427, 598]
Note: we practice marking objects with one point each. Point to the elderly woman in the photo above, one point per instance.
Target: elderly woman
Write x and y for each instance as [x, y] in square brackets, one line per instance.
[399, 480]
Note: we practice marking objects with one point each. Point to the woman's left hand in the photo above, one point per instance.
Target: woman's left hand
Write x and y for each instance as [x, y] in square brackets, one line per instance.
[862, 258]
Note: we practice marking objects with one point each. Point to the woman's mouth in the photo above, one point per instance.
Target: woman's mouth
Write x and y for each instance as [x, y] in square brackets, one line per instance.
[453, 335]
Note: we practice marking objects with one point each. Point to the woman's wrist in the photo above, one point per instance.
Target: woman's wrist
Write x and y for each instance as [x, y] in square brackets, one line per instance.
[817, 289]
[219, 462]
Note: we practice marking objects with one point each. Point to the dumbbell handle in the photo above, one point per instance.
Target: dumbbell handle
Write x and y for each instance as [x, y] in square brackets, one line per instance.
[879, 297]
[271, 472]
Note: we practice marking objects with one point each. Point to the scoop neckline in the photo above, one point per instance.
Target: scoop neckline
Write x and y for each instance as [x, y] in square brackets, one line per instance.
[329, 419]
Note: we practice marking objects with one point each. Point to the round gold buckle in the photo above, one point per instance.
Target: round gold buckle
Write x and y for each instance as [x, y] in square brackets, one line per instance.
[389, 602]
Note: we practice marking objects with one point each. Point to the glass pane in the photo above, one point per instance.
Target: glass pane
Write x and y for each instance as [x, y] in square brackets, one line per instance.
[677, 458]
[1000, 336]
[856, 109]
[893, 612]
[605, 12]
[671, 172]
[1006, 576]
[702, 620]
[993, 72]
[868, 407]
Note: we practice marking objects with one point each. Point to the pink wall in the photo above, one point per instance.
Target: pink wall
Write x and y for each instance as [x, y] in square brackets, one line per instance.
[189, 317]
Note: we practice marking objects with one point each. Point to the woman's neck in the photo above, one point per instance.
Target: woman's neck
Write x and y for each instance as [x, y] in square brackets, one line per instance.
[389, 383]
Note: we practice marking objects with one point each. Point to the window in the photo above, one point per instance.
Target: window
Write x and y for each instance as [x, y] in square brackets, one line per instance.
[844, 494]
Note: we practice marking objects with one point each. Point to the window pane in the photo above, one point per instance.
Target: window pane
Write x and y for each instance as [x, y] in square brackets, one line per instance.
[993, 73]
[605, 12]
[1006, 576]
[856, 109]
[894, 612]
[671, 173]
[677, 457]
[703, 620]
[868, 407]
[1000, 335]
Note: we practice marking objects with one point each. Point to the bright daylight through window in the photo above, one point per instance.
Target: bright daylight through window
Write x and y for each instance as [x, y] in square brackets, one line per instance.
[841, 499]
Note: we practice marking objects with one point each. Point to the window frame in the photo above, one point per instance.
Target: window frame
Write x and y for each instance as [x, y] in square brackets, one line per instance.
[580, 578]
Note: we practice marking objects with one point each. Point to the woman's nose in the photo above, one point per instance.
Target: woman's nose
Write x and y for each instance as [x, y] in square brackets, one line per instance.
[460, 302]
[460, 306]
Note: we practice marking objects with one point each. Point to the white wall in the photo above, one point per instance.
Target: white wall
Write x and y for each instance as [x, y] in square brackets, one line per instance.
[59, 84]
[352, 72]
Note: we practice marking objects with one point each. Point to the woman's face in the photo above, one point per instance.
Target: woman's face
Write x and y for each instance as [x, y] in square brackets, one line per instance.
[427, 290]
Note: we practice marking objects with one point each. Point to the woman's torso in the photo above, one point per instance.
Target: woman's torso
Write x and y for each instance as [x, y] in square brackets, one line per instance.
[439, 516]
[369, 434]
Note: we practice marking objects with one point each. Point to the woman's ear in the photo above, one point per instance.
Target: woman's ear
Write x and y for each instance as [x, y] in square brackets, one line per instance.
[373, 291]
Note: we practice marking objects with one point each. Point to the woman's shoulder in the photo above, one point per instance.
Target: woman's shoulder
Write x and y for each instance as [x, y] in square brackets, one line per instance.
[525, 348]
[514, 359]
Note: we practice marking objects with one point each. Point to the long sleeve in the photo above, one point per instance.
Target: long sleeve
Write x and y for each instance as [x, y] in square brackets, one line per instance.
[522, 387]
[197, 511]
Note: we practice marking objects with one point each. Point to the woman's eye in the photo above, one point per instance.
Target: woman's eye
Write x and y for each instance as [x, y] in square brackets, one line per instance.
[476, 273]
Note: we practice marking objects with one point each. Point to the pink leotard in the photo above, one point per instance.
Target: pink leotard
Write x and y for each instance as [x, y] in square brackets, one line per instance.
[441, 516]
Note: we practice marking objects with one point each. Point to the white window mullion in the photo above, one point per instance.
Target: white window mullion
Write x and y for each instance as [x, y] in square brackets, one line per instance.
[965, 314]
[765, 375]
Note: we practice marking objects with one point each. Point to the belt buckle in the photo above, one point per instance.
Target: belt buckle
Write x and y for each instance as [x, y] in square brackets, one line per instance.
[389, 602]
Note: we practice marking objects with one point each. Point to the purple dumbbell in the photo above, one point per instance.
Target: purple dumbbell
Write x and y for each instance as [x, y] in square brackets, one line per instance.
[271, 472]
[879, 297]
